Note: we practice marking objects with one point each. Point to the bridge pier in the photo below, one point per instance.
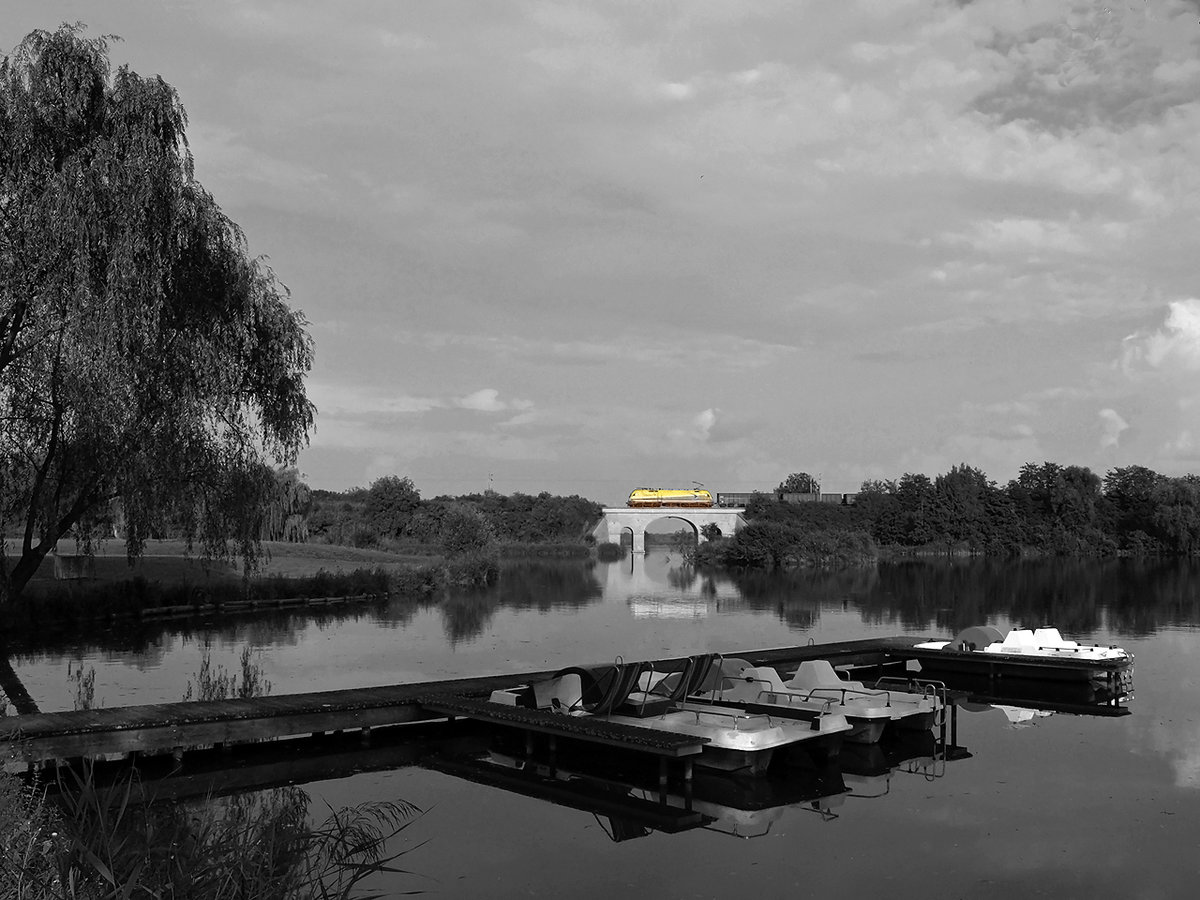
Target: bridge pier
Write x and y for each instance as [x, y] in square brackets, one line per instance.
[619, 519]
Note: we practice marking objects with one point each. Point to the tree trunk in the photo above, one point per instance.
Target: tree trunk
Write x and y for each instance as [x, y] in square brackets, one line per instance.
[12, 687]
[25, 569]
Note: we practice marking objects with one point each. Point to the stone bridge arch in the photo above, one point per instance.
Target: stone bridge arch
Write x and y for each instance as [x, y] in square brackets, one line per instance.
[618, 519]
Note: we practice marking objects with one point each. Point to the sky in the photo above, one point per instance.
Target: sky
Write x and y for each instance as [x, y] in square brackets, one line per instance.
[584, 247]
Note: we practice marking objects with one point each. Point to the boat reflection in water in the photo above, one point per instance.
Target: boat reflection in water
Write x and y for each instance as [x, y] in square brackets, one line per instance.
[629, 801]
[626, 795]
[627, 791]
[629, 797]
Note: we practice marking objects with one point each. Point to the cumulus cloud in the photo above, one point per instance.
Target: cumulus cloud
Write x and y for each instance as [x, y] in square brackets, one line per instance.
[692, 437]
[1111, 425]
[488, 400]
[1175, 345]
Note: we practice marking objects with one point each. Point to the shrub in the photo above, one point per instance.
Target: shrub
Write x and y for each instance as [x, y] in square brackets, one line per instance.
[607, 552]
[472, 570]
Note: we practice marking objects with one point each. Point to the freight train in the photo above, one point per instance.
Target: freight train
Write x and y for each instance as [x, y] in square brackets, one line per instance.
[651, 497]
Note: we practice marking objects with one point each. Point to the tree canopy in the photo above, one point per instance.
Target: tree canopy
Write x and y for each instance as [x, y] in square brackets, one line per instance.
[798, 483]
[391, 502]
[144, 355]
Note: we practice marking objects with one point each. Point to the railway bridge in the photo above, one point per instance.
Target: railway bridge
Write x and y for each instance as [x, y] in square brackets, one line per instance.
[620, 519]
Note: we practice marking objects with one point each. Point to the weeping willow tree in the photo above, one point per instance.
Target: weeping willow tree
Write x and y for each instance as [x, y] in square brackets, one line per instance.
[287, 512]
[145, 357]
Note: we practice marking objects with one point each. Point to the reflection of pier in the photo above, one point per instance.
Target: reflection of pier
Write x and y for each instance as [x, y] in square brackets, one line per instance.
[620, 789]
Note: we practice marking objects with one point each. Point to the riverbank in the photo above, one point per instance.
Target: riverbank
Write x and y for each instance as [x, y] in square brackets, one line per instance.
[168, 581]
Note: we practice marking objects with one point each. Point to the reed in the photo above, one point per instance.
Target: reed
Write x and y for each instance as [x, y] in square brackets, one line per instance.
[76, 840]
[115, 842]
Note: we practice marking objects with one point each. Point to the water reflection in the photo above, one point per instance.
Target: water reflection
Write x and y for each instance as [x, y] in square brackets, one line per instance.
[542, 587]
[625, 792]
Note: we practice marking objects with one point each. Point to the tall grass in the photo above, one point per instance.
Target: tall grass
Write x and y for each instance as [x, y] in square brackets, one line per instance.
[82, 841]
[249, 847]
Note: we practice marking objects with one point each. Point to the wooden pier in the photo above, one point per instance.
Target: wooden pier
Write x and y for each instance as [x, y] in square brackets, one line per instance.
[174, 728]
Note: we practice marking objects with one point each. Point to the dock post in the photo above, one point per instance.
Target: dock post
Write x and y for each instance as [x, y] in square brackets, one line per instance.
[365, 736]
[687, 770]
[662, 772]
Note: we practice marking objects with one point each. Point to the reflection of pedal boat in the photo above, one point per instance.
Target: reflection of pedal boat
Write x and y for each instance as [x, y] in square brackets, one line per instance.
[748, 807]
[739, 807]
[1018, 716]
[630, 694]
[816, 686]
[1041, 644]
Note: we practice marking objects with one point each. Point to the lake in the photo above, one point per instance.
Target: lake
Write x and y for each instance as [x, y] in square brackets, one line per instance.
[1038, 805]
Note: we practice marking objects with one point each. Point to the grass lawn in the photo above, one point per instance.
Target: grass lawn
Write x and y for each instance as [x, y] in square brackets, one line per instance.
[168, 561]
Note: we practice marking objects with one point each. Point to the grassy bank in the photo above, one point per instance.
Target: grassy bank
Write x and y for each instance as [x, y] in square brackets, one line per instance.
[168, 581]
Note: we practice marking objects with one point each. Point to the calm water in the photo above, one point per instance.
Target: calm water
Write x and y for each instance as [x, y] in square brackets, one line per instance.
[1047, 805]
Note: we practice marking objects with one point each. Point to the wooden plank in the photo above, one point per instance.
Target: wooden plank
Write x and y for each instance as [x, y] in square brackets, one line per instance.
[164, 738]
[252, 767]
[594, 730]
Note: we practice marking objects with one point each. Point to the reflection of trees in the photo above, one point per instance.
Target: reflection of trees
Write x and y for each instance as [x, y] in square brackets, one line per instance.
[464, 616]
[525, 585]
[522, 586]
[547, 585]
[1138, 595]
[918, 596]
[1134, 596]
[683, 578]
[151, 638]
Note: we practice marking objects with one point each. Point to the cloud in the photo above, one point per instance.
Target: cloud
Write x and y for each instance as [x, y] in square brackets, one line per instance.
[488, 400]
[1174, 346]
[703, 423]
[344, 401]
[696, 431]
[682, 350]
[1112, 425]
[341, 401]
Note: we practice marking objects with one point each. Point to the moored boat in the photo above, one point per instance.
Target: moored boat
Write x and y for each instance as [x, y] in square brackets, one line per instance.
[1047, 642]
[737, 740]
[911, 710]
[1031, 653]
[815, 691]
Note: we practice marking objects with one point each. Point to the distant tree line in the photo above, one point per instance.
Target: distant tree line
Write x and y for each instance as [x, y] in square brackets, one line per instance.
[391, 514]
[1052, 509]
[1048, 509]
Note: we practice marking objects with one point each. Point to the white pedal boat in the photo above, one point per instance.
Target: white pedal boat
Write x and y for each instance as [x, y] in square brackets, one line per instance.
[816, 687]
[1039, 642]
[738, 741]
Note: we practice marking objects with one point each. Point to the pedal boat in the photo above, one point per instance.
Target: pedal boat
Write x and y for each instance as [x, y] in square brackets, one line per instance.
[1043, 642]
[739, 741]
[1040, 653]
[911, 710]
[813, 690]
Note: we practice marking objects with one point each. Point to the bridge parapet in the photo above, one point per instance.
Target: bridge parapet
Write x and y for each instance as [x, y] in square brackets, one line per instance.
[619, 519]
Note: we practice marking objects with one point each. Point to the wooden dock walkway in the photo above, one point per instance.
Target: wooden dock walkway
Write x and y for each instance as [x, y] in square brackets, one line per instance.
[168, 728]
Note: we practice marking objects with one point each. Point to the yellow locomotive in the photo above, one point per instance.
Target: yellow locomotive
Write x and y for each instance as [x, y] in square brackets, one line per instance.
[650, 497]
